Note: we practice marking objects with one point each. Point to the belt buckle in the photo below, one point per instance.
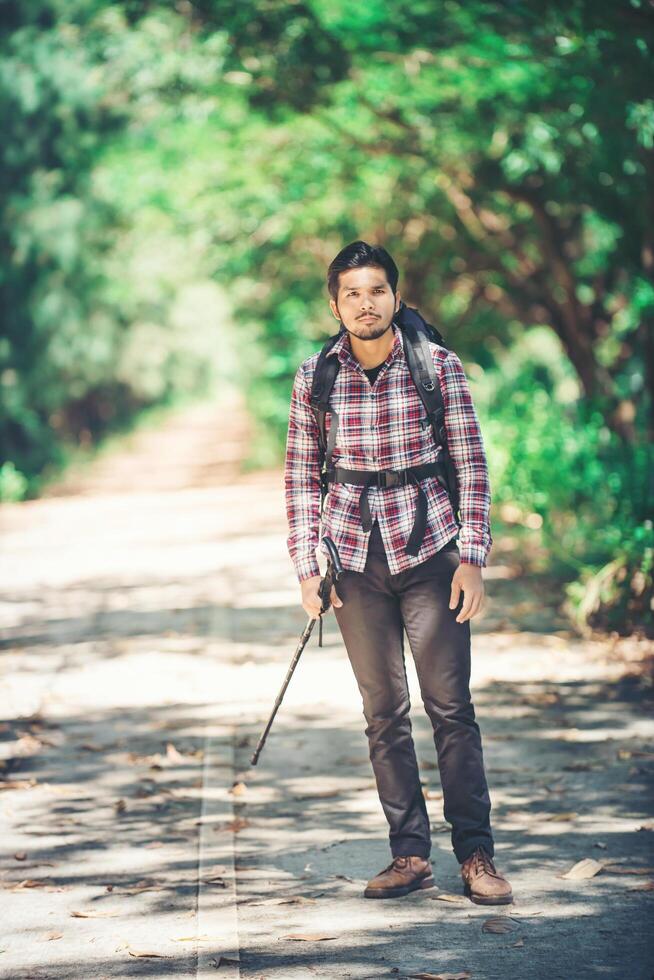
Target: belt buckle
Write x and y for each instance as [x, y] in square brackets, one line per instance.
[391, 478]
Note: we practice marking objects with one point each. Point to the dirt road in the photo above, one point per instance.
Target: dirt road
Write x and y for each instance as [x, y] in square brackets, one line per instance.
[149, 611]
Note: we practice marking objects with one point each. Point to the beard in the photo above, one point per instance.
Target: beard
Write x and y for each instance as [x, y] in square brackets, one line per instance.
[370, 331]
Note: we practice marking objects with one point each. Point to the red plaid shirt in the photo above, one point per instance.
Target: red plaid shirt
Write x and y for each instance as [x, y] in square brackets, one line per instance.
[384, 427]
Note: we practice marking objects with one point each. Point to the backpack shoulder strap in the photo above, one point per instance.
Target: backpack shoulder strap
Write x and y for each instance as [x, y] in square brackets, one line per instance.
[423, 373]
[322, 384]
[409, 315]
[417, 333]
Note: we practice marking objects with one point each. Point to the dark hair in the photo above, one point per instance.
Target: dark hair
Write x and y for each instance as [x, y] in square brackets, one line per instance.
[358, 254]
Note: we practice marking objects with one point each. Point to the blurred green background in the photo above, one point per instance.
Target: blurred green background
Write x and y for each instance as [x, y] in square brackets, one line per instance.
[176, 178]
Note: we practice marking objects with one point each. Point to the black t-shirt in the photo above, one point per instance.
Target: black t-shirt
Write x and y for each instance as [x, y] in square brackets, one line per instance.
[373, 372]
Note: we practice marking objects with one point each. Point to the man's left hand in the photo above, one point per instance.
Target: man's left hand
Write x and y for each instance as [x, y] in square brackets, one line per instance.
[467, 579]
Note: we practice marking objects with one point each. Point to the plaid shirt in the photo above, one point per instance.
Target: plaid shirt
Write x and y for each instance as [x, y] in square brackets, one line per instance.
[384, 427]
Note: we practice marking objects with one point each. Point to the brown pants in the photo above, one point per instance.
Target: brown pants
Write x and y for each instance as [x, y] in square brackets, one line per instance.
[377, 608]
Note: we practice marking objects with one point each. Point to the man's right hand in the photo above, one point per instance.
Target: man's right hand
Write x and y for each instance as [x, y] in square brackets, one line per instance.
[311, 601]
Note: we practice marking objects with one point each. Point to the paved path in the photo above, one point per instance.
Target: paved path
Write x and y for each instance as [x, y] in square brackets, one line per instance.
[148, 615]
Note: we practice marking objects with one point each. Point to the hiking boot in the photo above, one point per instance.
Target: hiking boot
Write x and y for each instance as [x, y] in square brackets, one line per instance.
[483, 883]
[403, 875]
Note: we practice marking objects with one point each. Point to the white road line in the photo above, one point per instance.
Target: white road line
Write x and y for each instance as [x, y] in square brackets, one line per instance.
[217, 916]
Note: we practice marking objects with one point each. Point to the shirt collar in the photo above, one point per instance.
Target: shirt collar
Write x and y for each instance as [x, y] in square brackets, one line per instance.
[343, 349]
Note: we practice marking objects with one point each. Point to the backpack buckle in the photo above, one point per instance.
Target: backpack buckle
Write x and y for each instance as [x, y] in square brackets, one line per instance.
[390, 478]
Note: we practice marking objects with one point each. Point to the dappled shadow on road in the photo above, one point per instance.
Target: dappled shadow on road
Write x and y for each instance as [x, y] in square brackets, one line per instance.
[148, 607]
[562, 788]
[567, 770]
[510, 606]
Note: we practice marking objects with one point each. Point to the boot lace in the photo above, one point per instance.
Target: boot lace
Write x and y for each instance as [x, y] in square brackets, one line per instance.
[394, 863]
[401, 861]
[484, 862]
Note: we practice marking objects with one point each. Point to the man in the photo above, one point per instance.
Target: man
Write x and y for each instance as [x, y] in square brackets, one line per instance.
[384, 590]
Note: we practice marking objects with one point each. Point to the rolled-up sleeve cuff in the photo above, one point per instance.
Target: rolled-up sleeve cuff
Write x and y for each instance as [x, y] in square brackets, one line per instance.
[307, 568]
[472, 553]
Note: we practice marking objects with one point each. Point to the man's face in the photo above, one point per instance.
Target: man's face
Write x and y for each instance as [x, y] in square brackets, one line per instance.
[365, 302]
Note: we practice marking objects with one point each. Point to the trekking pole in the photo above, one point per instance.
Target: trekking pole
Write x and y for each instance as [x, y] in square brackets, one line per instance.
[333, 573]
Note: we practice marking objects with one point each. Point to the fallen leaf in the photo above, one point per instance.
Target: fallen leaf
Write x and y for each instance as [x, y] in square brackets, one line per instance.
[296, 900]
[94, 914]
[53, 935]
[215, 880]
[28, 745]
[646, 886]
[440, 976]
[451, 897]
[586, 868]
[90, 747]
[144, 952]
[20, 855]
[308, 937]
[499, 924]
[191, 939]
[18, 783]
[172, 755]
[520, 942]
[238, 789]
[134, 758]
[120, 806]
[144, 885]
[36, 883]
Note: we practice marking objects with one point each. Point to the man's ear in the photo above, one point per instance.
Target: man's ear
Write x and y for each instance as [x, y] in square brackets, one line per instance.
[397, 301]
[334, 308]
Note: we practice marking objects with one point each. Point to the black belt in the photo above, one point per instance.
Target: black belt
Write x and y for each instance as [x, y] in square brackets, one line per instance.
[390, 478]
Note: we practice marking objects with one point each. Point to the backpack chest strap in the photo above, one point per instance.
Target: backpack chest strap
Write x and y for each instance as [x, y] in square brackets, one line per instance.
[390, 478]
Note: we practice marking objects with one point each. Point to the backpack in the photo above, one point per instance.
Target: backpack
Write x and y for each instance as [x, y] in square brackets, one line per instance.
[416, 333]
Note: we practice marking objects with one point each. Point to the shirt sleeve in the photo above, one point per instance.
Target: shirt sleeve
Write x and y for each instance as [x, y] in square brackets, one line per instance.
[302, 481]
[467, 451]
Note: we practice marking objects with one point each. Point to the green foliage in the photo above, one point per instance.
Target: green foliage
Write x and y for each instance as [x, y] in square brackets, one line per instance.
[552, 457]
[13, 483]
[106, 305]
[176, 179]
